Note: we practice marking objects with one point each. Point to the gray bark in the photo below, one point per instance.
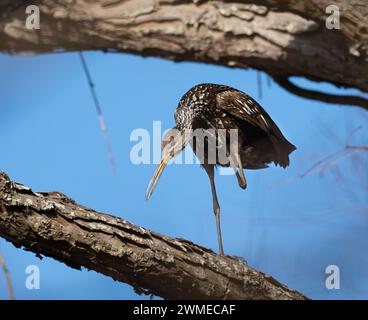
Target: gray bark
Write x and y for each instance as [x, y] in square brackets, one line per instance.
[282, 38]
[53, 225]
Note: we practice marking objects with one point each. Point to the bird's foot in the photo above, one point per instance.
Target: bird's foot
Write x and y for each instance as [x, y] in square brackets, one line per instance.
[241, 181]
[243, 184]
[240, 259]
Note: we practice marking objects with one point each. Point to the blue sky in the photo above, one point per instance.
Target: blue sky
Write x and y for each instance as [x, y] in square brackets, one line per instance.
[288, 227]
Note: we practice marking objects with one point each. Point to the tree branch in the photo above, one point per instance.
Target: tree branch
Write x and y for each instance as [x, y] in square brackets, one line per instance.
[321, 96]
[53, 225]
[281, 38]
[353, 15]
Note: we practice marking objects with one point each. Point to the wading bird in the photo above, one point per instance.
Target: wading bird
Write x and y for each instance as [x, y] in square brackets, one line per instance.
[211, 108]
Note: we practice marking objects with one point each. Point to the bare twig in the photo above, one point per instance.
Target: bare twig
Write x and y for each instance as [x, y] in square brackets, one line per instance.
[7, 278]
[345, 151]
[259, 84]
[330, 159]
[101, 118]
[269, 81]
[351, 134]
[323, 161]
[359, 148]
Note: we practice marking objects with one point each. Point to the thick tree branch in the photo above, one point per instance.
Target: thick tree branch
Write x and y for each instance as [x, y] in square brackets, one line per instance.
[53, 225]
[282, 38]
[353, 16]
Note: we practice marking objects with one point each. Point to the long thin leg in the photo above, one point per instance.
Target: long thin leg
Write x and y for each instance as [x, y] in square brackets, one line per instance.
[216, 206]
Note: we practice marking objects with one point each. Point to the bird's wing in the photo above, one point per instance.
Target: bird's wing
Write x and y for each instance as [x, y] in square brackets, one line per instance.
[244, 107]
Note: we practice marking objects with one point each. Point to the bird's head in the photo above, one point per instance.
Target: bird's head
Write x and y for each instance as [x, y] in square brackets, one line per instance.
[173, 143]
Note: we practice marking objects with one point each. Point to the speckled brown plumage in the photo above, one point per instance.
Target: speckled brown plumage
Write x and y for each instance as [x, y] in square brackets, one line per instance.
[216, 110]
[221, 107]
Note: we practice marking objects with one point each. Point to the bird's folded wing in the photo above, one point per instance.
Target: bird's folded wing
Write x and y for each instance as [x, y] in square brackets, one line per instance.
[245, 108]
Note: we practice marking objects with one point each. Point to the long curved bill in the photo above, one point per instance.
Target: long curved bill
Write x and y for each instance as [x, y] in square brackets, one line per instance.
[179, 143]
[157, 174]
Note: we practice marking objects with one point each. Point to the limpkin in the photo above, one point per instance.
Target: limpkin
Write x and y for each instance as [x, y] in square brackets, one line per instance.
[209, 108]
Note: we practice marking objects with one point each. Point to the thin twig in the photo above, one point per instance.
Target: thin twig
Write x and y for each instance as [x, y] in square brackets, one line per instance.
[347, 151]
[359, 148]
[322, 161]
[7, 278]
[350, 135]
[101, 118]
[259, 84]
[268, 81]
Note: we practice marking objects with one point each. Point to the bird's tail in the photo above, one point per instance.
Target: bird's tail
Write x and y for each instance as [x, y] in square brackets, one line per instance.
[283, 148]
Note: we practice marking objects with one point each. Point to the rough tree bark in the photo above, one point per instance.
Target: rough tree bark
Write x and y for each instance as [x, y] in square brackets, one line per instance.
[51, 224]
[282, 38]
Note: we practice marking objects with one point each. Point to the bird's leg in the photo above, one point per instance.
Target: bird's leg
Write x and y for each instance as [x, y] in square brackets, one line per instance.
[216, 206]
